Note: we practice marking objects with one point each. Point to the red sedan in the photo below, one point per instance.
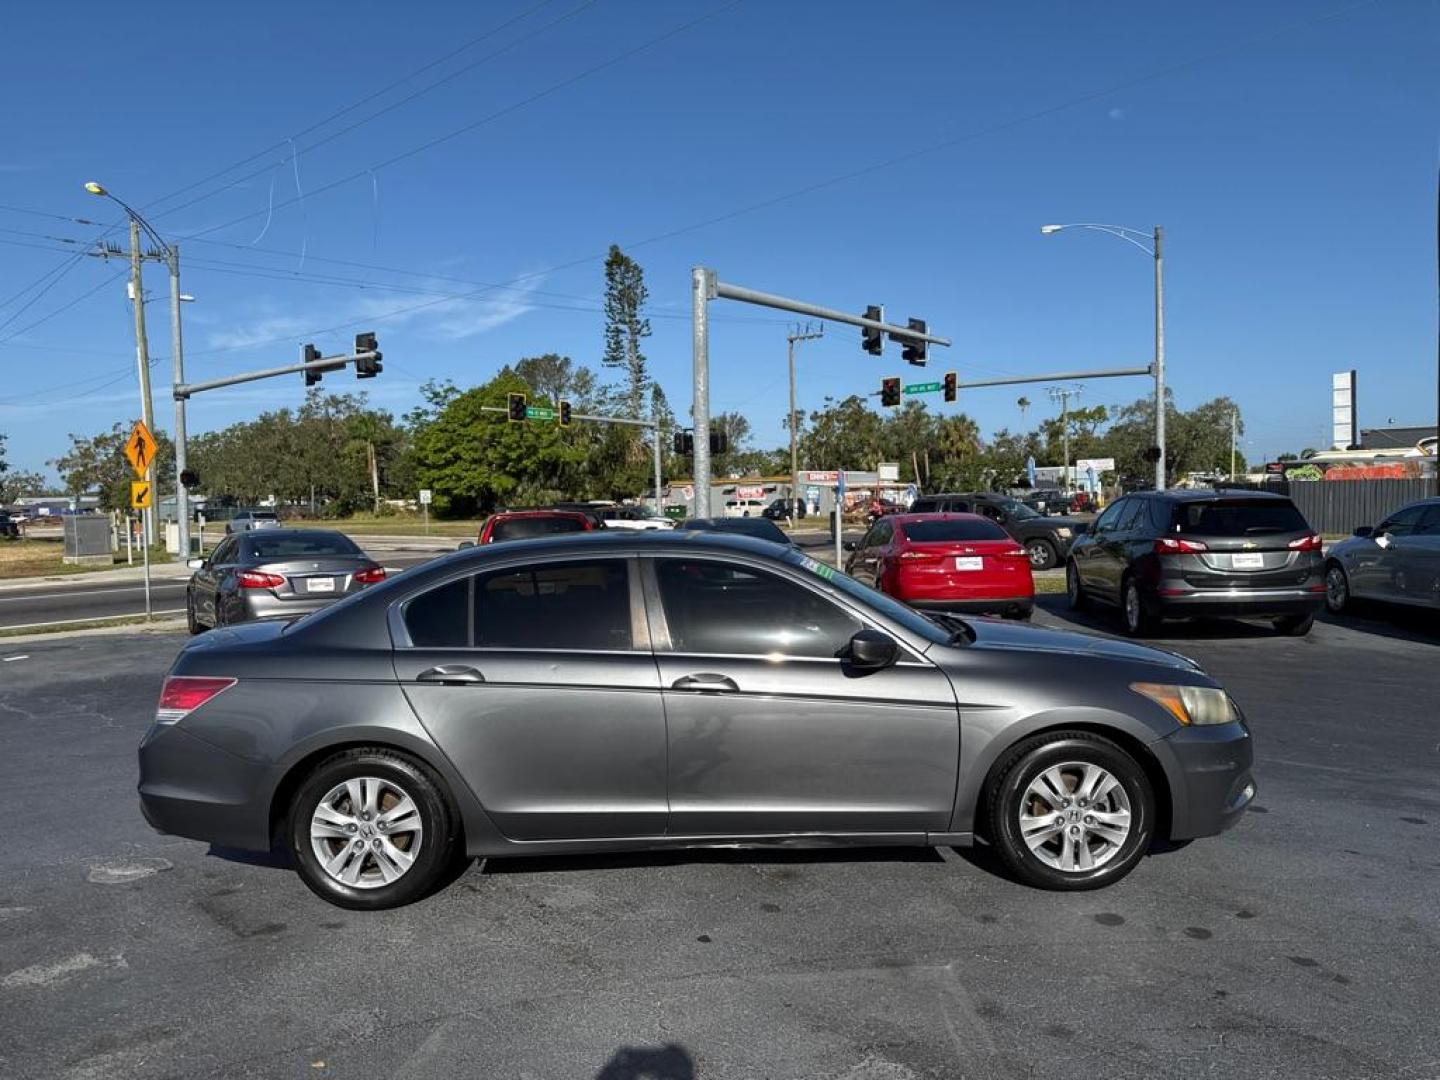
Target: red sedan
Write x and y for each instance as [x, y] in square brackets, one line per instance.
[948, 562]
[528, 524]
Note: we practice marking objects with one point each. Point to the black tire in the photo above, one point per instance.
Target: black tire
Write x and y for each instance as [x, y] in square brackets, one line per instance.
[191, 622]
[1008, 797]
[439, 838]
[1134, 617]
[1337, 588]
[1294, 625]
[1042, 553]
[1074, 589]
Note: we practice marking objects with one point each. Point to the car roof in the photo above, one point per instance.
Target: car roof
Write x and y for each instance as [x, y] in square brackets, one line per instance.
[515, 515]
[1213, 494]
[264, 535]
[951, 515]
[606, 541]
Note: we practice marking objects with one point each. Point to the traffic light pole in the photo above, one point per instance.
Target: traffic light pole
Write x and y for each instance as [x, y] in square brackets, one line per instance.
[705, 287]
[325, 363]
[177, 356]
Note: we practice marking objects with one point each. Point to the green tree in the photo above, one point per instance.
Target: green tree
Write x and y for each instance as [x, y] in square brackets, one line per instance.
[97, 464]
[847, 434]
[16, 484]
[625, 326]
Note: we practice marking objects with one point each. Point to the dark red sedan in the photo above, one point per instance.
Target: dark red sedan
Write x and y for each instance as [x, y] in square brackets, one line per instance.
[948, 562]
[528, 524]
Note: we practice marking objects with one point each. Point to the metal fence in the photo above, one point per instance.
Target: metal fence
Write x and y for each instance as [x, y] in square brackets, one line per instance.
[1339, 506]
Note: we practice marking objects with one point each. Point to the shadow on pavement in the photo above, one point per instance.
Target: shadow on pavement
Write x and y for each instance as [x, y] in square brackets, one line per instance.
[668, 1062]
[277, 858]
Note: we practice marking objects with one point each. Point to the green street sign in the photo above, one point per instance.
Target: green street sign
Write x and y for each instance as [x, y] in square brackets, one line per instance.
[537, 412]
[923, 388]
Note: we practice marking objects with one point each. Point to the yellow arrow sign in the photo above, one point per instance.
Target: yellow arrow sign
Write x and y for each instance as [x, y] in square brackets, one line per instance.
[140, 449]
[142, 494]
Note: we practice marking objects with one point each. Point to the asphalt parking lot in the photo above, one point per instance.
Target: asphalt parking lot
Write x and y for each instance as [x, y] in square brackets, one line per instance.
[1305, 943]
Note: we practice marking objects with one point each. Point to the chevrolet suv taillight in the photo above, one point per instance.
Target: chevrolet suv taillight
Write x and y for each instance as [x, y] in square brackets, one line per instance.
[1307, 543]
[258, 579]
[1173, 545]
[371, 575]
[183, 694]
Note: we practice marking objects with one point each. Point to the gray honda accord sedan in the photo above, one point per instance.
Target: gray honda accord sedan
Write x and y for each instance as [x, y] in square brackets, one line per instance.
[609, 691]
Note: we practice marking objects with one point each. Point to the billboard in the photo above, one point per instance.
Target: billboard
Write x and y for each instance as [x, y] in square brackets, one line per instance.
[1344, 417]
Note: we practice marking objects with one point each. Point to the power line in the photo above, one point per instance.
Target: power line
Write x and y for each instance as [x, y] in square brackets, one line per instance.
[63, 307]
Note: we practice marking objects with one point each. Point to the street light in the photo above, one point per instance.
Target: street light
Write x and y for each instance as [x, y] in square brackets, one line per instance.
[1136, 237]
[171, 254]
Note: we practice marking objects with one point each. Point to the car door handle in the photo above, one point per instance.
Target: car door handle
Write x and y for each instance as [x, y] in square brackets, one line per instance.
[706, 683]
[450, 675]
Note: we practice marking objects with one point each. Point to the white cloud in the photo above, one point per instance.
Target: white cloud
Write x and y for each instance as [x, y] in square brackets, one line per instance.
[1116, 114]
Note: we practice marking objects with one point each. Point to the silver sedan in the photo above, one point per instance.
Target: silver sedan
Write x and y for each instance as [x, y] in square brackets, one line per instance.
[275, 574]
[1397, 561]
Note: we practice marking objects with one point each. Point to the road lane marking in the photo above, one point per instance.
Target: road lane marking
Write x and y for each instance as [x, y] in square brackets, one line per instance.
[12, 659]
[93, 618]
[90, 592]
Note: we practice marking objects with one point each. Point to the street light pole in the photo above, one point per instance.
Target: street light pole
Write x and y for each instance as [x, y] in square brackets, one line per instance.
[177, 356]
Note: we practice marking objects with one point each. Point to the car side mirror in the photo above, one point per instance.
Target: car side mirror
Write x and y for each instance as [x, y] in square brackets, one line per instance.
[465, 544]
[195, 564]
[1365, 530]
[848, 545]
[871, 650]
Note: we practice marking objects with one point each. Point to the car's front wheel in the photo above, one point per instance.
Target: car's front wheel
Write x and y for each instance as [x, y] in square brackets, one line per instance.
[1074, 589]
[192, 623]
[371, 829]
[1042, 554]
[1070, 810]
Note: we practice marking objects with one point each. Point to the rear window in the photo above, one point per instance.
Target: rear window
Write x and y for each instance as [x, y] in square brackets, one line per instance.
[925, 506]
[1237, 518]
[933, 532]
[282, 544]
[760, 528]
[528, 528]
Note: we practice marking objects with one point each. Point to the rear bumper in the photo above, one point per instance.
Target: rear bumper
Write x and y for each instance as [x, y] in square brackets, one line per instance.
[261, 605]
[1017, 604]
[1237, 602]
[189, 787]
[1211, 782]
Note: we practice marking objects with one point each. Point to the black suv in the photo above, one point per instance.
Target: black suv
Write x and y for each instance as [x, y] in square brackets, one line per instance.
[1180, 554]
[1046, 540]
[777, 510]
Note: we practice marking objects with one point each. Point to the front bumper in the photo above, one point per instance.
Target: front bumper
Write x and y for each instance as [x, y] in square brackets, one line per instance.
[189, 787]
[1211, 784]
[1298, 600]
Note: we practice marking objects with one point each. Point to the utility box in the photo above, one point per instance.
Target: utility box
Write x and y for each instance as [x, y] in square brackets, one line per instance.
[88, 540]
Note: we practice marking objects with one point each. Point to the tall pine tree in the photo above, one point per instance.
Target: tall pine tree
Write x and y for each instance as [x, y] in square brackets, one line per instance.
[625, 328]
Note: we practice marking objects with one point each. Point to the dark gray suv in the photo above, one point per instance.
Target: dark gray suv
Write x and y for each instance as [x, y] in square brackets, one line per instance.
[609, 691]
[1180, 554]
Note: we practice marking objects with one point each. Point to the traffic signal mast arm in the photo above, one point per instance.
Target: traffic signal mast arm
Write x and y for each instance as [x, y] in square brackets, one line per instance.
[726, 291]
[324, 363]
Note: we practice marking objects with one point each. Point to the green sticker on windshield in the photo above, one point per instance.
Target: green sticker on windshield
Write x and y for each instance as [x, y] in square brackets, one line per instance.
[826, 572]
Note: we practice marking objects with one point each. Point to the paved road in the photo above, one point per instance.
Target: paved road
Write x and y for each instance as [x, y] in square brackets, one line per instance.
[1301, 944]
[75, 598]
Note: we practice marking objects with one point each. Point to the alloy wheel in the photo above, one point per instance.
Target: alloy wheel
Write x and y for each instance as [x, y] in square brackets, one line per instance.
[1075, 817]
[1133, 612]
[1337, 589]
[366, 832]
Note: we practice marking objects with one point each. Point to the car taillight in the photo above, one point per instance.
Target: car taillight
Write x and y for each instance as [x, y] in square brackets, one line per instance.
[909, 556]
[1171, 545]
[370, 575]
[258, 579]
[183, 694]
[1307, 543]
[1013, 553]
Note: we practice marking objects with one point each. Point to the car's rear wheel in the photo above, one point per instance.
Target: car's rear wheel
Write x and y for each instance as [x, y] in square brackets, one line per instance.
[1337, 589]
[1042, 554]
[1074, 589]
[1133, 614]
[1294, 625]
[371, 829]
[1070, 810]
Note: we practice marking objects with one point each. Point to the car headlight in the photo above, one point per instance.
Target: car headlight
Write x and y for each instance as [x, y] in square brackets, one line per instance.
[1062, 532]
[1191, 705]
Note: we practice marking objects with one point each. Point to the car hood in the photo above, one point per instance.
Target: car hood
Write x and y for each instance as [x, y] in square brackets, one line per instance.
[1017, 637]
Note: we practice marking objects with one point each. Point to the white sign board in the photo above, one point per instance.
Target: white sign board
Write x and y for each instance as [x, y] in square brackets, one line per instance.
[1099, 464]
[1345, 433]
[424, 496]
[889, 471]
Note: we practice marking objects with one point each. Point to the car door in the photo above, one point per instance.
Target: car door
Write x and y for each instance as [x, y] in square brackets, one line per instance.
[1383, 568]
[771, 731]
[205, 583]
[537, 680]
[1424, 576]
[1411, 554]
[871, 551]
[1096, 560]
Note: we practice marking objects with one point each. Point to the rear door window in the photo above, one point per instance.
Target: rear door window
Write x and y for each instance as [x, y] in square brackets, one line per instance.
[571, 605]
[935, 532]
[440, 618]
[1237, 518]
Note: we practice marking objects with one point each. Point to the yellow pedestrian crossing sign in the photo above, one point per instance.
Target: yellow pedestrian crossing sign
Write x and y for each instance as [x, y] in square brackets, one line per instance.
[142, 494]
[140, 450]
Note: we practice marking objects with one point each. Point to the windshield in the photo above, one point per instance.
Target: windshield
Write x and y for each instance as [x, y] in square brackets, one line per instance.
[1016, 509]
[527, 528]
[892, 609]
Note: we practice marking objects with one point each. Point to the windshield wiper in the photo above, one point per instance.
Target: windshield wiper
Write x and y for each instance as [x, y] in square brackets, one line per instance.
[958, 629]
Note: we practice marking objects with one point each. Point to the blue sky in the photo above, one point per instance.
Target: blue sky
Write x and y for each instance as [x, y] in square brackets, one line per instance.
[1289, 149]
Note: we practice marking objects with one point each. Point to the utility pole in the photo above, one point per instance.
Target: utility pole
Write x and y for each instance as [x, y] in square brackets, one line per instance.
[1063, 394]
[1160, 357]
[177, 356]
[798, 334]
[1234, 421]
[142, 360]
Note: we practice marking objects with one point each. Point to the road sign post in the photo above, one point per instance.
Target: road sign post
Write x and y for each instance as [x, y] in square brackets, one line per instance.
[140, 452]
[425, 496]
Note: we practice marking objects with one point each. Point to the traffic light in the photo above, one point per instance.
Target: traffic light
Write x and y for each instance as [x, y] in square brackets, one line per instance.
[367, 367]
[190, 478]
[308, 355]
[516, 408]
[719, 442]
[890, 391]
[1152, 454]
[873, 341]
[916, 352]
[684, 442]
[952, 386]
[564, 414]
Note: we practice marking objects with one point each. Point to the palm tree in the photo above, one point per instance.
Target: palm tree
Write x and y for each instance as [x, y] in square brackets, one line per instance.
[1024, 404]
